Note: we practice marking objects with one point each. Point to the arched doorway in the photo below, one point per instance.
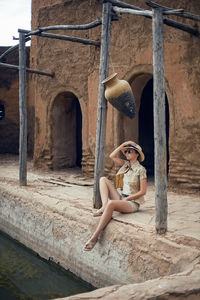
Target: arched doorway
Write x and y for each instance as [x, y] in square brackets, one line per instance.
[146, 131]
[66, 131]
[9, 127]
[140, 129]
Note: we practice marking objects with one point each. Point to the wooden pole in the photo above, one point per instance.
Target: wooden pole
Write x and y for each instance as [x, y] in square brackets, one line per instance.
[14, 67]
[11, 49]
[168, 22]
[165, 8]
[123, 4]
[73, 27]
[93, 24]
[69, 38]
[22, 111]
[160, 173]
[145, 13]
[102, 102]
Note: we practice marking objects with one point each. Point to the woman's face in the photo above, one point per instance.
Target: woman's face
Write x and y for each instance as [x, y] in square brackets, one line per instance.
[131, 154]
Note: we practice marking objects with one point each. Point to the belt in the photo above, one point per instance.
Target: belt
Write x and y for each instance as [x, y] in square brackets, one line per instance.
[124, 195]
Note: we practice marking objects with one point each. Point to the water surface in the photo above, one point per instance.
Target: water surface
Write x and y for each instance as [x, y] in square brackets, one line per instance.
[26, 276]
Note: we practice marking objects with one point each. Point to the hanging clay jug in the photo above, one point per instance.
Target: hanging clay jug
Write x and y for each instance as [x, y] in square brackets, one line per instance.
[119, 94]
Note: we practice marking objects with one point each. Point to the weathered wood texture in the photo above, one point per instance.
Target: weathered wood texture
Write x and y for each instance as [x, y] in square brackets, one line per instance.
[166, 21]
[145, 13]
[11, 49]
[102, 103]
[39, 32]
[23, 111]
[159, 122]
[183, 14]
[59, 36]
[123, 4]
[14, 67]
[73, 27]
[154, 5]
[173, 12]
[132, 11]
[69, 38]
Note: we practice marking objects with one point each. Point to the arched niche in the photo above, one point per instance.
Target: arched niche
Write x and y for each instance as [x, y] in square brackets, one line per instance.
[66, 131]
[146, 127]
[9, 127]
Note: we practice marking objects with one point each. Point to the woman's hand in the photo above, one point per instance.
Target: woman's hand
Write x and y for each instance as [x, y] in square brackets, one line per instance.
[142, 191]
[115, 154]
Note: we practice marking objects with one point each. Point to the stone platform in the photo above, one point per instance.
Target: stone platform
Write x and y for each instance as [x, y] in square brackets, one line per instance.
[52, 215]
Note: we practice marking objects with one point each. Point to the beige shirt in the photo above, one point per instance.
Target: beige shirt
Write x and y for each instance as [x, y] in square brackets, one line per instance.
[131, 180]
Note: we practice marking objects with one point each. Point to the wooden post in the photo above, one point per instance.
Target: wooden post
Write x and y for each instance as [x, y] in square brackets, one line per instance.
[102, 102]
[160, 172]
[22, 111]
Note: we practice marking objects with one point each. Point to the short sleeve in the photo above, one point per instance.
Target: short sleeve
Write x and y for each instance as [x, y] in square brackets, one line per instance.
[143, 173]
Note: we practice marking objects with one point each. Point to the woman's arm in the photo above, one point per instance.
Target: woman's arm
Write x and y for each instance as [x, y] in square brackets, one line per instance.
[115, 154]
[142, 191]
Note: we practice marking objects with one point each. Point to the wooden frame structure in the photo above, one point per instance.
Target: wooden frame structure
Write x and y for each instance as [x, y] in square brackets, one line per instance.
[109, 14]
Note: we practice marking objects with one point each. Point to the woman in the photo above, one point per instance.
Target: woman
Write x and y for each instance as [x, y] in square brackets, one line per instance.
[131, 178]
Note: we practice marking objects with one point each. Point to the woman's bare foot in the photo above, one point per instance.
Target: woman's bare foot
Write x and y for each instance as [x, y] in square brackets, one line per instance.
[90, 245]
[98, 213]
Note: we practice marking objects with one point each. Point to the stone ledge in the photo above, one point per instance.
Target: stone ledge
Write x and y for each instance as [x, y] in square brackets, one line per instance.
[180, 286]
[57, 227]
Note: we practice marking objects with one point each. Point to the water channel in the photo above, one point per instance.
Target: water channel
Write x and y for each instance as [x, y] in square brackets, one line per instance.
[26, 276]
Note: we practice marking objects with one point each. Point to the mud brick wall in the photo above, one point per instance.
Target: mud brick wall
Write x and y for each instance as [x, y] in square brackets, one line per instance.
[76, 70]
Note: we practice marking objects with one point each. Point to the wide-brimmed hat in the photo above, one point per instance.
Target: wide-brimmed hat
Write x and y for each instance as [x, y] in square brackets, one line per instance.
[137, 148]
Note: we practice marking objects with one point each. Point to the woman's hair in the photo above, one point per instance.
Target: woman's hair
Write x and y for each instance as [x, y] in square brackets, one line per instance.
[137, 153]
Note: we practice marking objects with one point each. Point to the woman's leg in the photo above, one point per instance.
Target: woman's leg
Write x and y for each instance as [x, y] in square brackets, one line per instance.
[107, 191]
[117, 205]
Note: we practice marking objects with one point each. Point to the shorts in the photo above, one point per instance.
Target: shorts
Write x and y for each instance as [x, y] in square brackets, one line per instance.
[135, 206]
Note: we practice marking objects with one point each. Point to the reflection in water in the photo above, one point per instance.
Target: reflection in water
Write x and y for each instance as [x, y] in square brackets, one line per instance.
[23, 275]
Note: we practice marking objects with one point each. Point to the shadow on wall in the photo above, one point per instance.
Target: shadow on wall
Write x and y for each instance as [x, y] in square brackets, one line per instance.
[9, 133]
[146, 127]
[9, 137]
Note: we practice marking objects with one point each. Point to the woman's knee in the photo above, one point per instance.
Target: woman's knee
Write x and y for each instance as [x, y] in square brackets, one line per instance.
[103, 179]
[110, 205]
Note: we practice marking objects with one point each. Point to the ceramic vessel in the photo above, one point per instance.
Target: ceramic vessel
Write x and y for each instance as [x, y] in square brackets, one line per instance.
[119, 94]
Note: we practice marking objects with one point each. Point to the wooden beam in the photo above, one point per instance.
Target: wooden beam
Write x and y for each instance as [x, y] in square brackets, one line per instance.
[160, 170]
[64, 27]
[11, 49]
[102, 102]
[123, 4]
[58, 27]
[73, 27]
[69, 38]
[184, 14]
[14, 67]
[166, 21]
[22, 111]
[144, 13]
[173, 12]
[93, 24]
[181, 26]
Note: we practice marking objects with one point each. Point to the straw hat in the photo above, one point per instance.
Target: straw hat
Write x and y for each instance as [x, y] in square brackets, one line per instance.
[137, 148]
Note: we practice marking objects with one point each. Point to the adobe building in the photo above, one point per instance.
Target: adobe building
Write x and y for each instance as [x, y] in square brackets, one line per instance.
[65, 107]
